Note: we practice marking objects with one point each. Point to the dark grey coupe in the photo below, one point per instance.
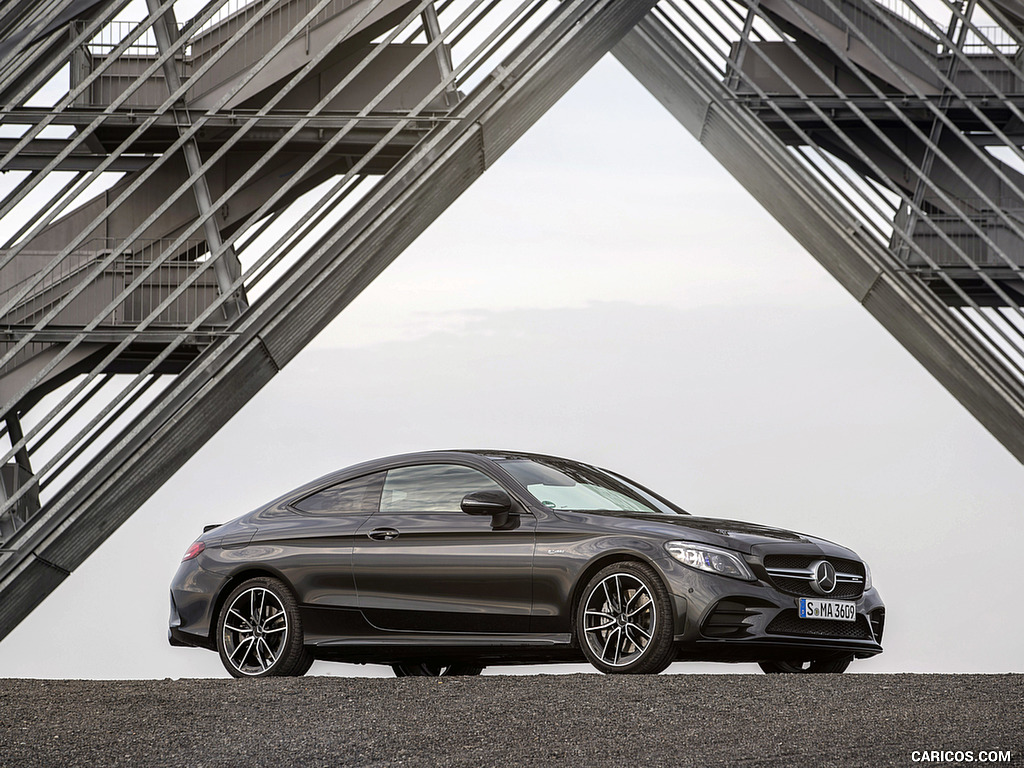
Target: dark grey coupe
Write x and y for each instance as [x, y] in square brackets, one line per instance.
[446, 562]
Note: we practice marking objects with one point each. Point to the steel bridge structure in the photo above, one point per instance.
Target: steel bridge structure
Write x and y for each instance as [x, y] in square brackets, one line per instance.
[193, 189]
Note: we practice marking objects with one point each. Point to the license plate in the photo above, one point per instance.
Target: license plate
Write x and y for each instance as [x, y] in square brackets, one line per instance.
[835, 610]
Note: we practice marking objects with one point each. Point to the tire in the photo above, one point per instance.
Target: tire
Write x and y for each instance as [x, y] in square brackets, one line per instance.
[259, 631]
[822, 666]
[427, 669]
[624, 620]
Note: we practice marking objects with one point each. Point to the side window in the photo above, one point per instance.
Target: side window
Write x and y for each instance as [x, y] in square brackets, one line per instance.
[353, 496]
[431, 488]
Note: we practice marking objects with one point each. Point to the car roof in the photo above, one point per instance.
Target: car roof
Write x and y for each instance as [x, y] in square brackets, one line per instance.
[441, 455]
[498, 455]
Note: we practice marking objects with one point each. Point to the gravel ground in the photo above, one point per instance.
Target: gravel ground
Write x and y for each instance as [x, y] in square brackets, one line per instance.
[577, 720]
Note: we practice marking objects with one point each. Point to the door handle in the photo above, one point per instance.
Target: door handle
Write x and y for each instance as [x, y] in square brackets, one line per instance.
[383, 534]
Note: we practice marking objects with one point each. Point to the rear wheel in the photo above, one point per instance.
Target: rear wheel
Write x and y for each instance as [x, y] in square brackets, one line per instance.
[259, 632]
[833, 666]
[624, 621]
[427, 669]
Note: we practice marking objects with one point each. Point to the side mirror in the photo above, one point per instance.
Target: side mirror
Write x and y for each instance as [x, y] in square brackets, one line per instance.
[497, 504]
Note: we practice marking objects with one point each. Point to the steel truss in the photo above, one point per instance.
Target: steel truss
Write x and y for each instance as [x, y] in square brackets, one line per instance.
[875, 159]
[189, 201]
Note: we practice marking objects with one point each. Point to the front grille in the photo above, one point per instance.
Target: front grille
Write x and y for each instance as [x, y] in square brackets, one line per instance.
[801, 587]
[729, 617]
[789, 623]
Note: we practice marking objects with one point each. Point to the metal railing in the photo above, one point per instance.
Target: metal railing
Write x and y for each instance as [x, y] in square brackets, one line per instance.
[900, 10]
[275, 19]
[985, 37]
[50, 285]
[110, 36]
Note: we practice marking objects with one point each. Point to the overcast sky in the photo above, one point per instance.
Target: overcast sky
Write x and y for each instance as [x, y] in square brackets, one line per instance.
[605, 292]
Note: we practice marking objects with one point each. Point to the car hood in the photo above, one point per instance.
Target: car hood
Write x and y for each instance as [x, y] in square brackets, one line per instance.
[741, 532]
[748, 538]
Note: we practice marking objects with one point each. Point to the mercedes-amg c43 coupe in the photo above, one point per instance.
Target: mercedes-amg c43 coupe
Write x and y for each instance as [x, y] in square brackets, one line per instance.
[445, 562]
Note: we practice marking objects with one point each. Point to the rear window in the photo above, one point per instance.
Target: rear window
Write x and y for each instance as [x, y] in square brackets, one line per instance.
[359, 496]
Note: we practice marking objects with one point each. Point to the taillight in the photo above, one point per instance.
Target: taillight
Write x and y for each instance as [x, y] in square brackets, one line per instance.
[193, 551]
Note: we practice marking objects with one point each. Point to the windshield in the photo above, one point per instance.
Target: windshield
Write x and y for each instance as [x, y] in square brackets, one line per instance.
[561, 484]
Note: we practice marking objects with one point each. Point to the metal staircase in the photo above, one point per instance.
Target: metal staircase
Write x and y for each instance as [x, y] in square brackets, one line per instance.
[867, 129]
[188, 201]
[274, 157]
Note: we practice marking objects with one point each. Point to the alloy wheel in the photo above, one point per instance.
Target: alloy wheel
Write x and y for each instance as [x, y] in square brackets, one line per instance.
[619, 619]
[255, 631]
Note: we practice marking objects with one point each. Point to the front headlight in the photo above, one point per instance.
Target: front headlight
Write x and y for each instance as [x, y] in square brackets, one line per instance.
[710, 559]
[867, 577]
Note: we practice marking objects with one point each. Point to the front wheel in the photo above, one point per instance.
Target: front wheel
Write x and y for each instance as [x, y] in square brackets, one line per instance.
[833, 666]
[624, 621]
[416, 669]
[259, 633]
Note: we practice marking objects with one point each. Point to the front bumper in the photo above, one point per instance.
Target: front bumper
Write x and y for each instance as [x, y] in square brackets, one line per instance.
[719, 619]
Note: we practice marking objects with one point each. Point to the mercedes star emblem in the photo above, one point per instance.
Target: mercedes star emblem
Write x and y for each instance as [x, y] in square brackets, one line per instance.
[823, 580]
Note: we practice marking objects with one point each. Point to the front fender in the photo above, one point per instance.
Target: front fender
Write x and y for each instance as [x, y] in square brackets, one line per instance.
[562, 567]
